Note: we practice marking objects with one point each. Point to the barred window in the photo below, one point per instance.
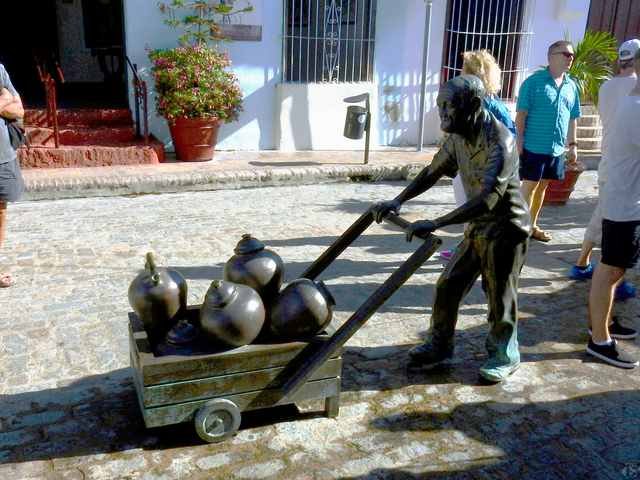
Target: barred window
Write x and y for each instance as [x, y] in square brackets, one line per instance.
[328, 40]
[500, 26]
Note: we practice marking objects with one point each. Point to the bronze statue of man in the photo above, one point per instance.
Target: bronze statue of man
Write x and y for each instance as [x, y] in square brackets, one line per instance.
[495, 243]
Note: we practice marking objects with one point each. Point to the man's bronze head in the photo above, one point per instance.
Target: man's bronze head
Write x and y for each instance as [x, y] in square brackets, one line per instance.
[459, 102]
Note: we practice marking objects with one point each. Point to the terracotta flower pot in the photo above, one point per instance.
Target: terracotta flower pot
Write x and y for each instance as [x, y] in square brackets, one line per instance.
[558, 191]
[194, 138]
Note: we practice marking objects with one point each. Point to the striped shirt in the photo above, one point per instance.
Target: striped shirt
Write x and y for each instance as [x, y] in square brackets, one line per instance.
[549, 109]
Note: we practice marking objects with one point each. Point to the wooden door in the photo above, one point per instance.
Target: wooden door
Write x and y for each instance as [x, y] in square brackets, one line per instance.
[619, 17]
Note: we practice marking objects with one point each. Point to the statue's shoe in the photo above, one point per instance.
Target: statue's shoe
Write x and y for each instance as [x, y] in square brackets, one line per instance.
[428, 355]
[495, 370]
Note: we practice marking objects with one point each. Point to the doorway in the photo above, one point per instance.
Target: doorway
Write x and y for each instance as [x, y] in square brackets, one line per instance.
[85, 38]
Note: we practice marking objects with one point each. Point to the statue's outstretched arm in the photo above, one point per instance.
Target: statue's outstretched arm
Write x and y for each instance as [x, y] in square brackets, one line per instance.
[444, 163]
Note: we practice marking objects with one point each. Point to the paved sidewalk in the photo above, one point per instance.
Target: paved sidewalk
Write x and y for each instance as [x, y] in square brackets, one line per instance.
[228, 170]
[68, 408]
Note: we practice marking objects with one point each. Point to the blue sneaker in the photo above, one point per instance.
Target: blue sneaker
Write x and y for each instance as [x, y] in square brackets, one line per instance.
[625, 291]
[581, 273]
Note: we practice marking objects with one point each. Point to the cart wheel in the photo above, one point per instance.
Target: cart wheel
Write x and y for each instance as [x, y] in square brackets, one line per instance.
[217, 420]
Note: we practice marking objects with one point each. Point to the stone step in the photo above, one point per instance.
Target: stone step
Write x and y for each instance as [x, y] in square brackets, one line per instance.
[43, 136]
[589, 109]
[80, 117]
[589, 132]
[586, 151]
[128, 153]
[589, 143]
[589, 121]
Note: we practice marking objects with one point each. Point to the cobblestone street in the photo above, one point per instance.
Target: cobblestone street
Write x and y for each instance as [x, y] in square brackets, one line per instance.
[69, 408]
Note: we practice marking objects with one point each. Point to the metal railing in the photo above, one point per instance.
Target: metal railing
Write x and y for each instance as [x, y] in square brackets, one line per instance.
[501, 26]
[140, 102]
[328, 40]
[51, 96]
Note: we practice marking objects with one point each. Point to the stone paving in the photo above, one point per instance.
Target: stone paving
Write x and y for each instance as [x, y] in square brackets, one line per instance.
[68, 407]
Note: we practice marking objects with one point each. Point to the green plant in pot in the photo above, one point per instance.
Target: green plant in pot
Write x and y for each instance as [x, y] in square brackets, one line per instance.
[195, 90]
[593, 64]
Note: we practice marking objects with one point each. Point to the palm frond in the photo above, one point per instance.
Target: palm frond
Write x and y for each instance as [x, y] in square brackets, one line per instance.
[595, 57]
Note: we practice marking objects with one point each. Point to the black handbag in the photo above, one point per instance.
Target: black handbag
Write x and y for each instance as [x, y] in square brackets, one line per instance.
[17, 136]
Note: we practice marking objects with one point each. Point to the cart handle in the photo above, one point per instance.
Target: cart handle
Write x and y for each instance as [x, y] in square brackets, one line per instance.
[348, 237]
[300, 371]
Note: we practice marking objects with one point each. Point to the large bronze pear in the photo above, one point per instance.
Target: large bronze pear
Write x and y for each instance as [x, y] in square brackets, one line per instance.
[232, 314]
[257, 267]
[159, 297]
[302, 309]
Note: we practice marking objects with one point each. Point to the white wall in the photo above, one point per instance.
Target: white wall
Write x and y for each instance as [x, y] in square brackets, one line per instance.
[556, 20]
[312, 115]
[271, 120]
[397, 79]
[399, 41]
[398, 68]
[257, 65]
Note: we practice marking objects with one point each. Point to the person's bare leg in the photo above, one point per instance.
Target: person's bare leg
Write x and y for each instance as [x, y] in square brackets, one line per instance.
[5, 278]
[3, 221]
[538, 199]
[603, 285]
[585, 253]
[528, 189]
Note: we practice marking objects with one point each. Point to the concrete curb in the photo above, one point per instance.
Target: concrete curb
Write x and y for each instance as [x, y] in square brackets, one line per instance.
[231, 171]
[131, 183]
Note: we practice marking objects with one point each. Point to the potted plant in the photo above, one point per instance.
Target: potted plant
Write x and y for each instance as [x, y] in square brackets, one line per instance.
[195, 90]
[592, 66]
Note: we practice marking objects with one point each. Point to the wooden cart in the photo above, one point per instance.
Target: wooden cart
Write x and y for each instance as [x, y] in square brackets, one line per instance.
[212, 389]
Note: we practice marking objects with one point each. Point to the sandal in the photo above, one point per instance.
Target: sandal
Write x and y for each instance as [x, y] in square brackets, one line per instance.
[540, 235]
[6, 280]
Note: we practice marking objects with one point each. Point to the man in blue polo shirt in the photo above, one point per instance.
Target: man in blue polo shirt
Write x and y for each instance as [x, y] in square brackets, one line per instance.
[547, 109]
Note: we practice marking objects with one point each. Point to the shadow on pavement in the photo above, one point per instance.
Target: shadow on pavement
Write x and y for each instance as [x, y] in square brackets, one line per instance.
[99, 415]
[590, 436]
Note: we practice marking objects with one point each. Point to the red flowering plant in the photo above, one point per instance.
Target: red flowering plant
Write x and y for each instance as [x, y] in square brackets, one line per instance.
[193, 80]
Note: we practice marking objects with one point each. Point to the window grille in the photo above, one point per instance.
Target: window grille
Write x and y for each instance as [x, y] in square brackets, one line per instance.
[328, 40]
[500, 26]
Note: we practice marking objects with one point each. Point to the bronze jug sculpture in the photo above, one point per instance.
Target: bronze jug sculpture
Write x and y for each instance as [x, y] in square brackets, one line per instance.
[302, 309]
[257, 267]
[232, 313]
[159, 298]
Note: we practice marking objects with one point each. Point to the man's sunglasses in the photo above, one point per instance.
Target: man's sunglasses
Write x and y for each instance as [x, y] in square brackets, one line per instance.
[565, 54]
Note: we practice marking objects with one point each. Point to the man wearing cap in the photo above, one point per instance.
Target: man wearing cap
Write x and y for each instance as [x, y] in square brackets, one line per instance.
[620, 225]
[547, 109]
[612, 93]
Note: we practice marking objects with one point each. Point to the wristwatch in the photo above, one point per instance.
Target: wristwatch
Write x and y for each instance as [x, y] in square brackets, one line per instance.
[571, 144]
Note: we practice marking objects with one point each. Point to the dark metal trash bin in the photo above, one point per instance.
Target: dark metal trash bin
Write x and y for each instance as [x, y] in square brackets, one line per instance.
[355, 123]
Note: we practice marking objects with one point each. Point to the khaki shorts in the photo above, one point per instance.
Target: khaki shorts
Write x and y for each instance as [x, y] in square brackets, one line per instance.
[11, 182]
